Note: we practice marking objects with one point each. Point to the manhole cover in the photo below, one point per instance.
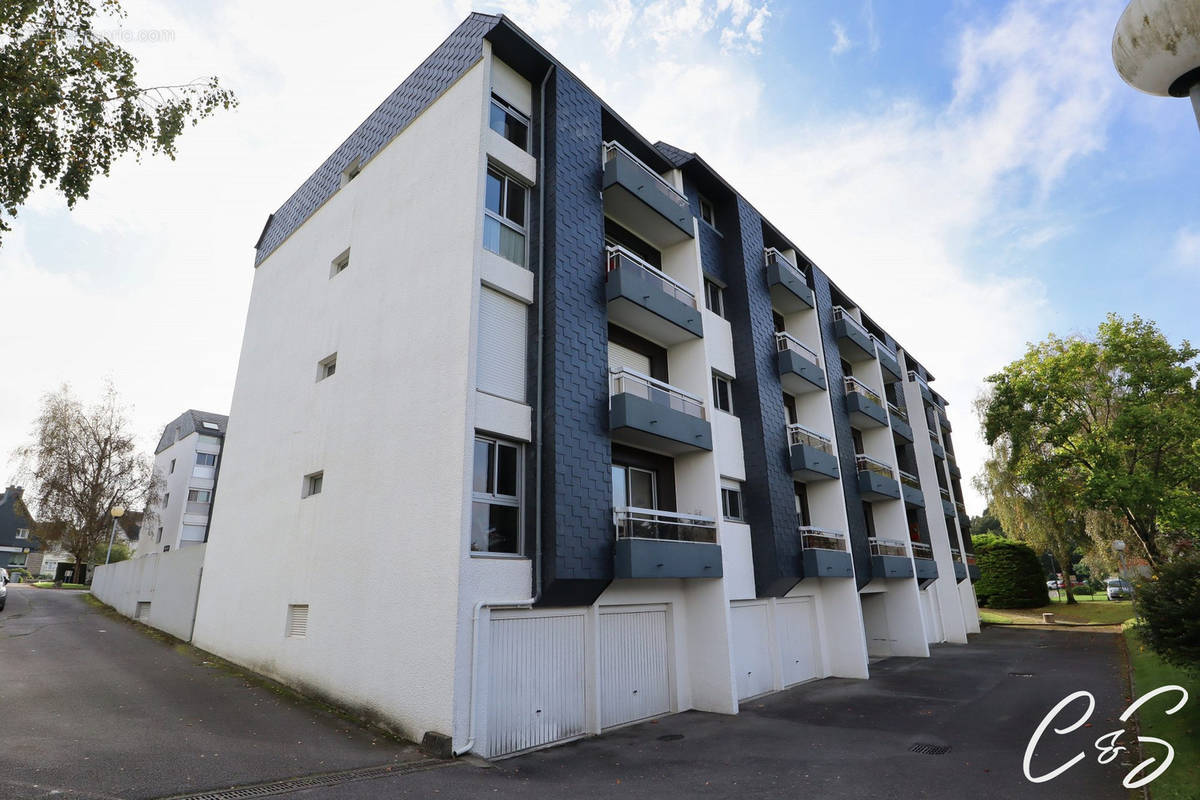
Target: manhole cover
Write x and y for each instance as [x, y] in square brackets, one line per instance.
[670, 737]
[926, 749]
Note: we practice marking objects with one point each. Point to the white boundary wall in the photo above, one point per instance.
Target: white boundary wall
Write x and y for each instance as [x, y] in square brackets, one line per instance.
[169, 582]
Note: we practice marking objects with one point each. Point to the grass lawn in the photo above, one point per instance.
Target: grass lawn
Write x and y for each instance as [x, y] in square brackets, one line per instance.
[50, 585]
[1107, 612]
[1182, 729]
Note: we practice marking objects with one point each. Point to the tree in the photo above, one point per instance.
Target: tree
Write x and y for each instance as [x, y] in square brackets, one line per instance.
[70, 103]
[986, 523]
[1116, 418]
[82, 462]
[1169, 607]
[1010, 575]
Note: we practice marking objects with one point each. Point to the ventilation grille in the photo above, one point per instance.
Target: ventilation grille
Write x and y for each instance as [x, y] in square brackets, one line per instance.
[926, 749]
[297, 622]
[142, 611]
[317, 781]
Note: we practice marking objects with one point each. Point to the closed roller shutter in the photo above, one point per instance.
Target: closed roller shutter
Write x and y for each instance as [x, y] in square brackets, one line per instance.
[503, 339]
[619, 356]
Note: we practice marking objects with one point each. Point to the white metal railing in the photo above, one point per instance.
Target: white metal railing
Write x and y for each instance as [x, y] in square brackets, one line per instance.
[668, 526]
[897, 411]
[623, 380]
[908, 479]
[921, 550]
[785, 341]
[955, 554]
[841, 313]
[913, 377]
[887, 547]
[798, 434]
[961, 506]
[934, 438]
[612, 148]
[945, 493]
[884, 346]
[812, 538]
[868, 464]
[855, 385]
[618, 255]
[773, 256]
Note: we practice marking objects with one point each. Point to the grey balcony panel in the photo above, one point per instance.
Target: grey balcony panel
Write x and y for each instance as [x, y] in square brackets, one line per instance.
[973, 571]
[960, 572]
[926, 569]
[639, 422]
[948, 508]
[799, 375]
[938, 450]
[811, 464]
[912, 495]
[902, 429]
[891, 567]
[865, 412]
[926, 392]
[637, 302]
[640, 203]
[954, 470]
[827, 563]
[891, 367]
[963, 519]
[855, 345]
[873, 487]
[654, 558]
[789, 292]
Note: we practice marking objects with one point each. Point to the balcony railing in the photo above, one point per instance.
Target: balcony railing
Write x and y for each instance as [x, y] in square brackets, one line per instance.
[945, 493]
[868, 464]
[798, 434]
[882, 345]
[854, 385]
[618, 256]
[785, 341]
[623, 380]
[612, 148]
[820, 539]
[955, 554]
[933, 437]
[897, 411]
[667, 526]
[887, 547]
[843, 314]
[773, 256]
[913, 377]
[908, 479]
[921, 550]
[961, 506]
[951, 459]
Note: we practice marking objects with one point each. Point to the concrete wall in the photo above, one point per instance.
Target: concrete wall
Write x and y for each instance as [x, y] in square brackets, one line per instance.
[169, 582]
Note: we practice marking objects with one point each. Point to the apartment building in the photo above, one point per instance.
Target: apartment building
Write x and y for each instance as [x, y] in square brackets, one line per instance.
[18, 546]
[609, 445]
[186, 463]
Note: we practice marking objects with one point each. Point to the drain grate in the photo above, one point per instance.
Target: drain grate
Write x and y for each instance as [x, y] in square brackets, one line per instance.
[316, 781]
[1020, 674]
[927, 749]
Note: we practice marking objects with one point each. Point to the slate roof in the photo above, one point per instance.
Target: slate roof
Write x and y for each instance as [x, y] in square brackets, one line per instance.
[189, 422]
[13, 515]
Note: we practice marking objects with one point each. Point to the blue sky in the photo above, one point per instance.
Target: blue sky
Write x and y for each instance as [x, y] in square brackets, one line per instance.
[974, 174]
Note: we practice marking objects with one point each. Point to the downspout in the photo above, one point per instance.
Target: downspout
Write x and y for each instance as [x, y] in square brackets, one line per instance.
[537, 489]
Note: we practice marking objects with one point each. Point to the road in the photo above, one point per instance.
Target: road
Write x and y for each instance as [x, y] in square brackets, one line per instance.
[93, 707]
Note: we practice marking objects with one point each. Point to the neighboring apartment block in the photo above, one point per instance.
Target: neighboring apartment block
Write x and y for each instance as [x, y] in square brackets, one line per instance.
[614, 445]
[186, 463]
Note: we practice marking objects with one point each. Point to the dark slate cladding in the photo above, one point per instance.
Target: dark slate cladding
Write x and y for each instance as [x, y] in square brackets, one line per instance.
[770, 501]
[859, 547]
[577, 527]
[711, 242]
[436, 73]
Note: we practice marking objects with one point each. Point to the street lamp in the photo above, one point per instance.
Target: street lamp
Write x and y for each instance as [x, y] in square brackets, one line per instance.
[117, 512]
[1156, 48]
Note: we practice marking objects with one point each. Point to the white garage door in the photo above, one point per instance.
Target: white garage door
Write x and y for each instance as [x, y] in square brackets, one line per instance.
[799, 646]
[536, 690]
[933, 620]
[752, 650]
[634, 665]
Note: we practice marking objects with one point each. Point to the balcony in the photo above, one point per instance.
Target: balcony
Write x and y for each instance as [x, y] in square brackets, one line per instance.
[943, 420]
[663, 544]
[926, 567]
[972, 567]
[900, 423]
[888, 360]
[963, 519]
[936, 444]
[811, 455]
[787, 282]
[649, 302]
[653, 415]
[910, 489]
[853, 339]
[926, 392]
[889, 559]
[947, 505]
[640, 199]
[875, 480]
[799, 369]
[960, 569]
[864, 406]
[824, 553]
[952, 465]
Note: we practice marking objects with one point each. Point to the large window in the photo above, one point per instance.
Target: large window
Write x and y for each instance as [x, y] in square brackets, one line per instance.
[504, 217]
[722, 393]
[731, 500]
[714, 298]
[199, 496]
[206, 459]
[634, 487]
[496, 497]
[509, 123]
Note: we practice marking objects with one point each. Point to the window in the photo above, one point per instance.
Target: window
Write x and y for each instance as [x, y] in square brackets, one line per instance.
[707, 213]
[722, 393]
[326, 367]
[199, 496]
[351, 171]
[313, 484]
[166, 499]
[504, 217]
[496, 497]
[509, 123]
[166, 548]
[503, 341]
[339, 264]
[22, 533]
[158, 537]
[634, 487]
[171, 471]
[714, 298]
[731, 500]
[212, 426]
[802, 510]
[206, 459]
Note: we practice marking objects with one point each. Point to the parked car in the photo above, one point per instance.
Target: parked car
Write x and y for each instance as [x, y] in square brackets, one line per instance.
[3, 588]
[1054, 584]
[1118, 589]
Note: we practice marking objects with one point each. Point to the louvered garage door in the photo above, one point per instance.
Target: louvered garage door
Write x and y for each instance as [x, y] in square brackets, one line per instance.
[634, 665]
[536, 689]
[798, 642]
[752, 650]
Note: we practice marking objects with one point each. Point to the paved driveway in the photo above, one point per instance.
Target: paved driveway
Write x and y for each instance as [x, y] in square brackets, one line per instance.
[93, 707]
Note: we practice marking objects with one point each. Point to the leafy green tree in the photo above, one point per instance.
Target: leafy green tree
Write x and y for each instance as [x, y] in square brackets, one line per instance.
[1115, 418]
[70, 103]
[1169, 607]
[1010, 576]
[986, 523]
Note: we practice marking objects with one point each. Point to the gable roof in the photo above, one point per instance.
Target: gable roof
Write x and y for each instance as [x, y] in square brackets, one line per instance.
[189, 422]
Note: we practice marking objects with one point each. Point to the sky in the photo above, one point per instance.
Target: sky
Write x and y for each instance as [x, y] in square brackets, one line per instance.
[974, 175]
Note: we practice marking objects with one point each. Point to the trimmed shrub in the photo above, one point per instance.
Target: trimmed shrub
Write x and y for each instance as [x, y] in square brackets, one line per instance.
[1010, 575]
[1169, 605]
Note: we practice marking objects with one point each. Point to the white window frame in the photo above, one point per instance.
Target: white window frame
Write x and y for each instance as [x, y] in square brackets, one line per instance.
[200, 463]
[22, 533]
[327, 367]
[500, 217]
[733, 487]
[711, 219]
[506, 107]
[339, 264]
[314, 483]
[493, 499]
[710, 284]
[717, 381]
[194, 495]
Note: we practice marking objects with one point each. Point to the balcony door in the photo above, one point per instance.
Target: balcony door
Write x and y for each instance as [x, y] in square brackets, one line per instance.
[634, 487]
[619, 356]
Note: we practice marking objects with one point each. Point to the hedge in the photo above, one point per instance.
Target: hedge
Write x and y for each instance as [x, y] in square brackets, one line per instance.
[1169, 605]
[1010, 575]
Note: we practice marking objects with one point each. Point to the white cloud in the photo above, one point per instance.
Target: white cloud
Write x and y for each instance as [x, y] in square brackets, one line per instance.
[1186, 251]
[841, 42]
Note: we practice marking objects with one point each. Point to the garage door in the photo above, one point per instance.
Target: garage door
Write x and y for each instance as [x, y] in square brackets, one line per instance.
[634, 665]
[536, 689]
[752, 650]
[933, 620]
[799, 646]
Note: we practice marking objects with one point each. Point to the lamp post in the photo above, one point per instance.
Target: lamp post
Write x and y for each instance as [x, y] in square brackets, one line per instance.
[1156, 48]
[117, 512]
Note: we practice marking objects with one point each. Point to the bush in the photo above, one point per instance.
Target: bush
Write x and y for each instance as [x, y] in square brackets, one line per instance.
[1010, 575]
[1169, 605]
